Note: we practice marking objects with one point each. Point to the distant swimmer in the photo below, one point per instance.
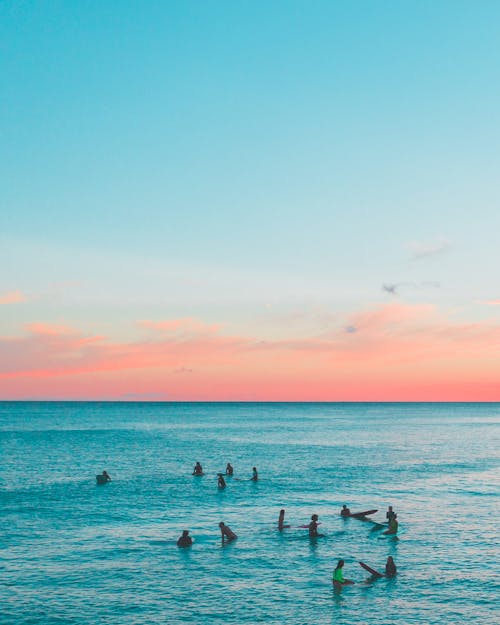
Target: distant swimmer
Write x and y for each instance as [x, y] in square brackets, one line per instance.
[390, 567]
[255, 475]
[103, 478]
[185, 540]
[221, 482]
[281, 520]
[345, 511]
[227, 533]
[338, 576]
[393, 525]
[198, 470]
[229, 469]
[313, 527]
[390, 514]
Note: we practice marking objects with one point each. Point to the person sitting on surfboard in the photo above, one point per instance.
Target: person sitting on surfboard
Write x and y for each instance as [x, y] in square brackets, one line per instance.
[185, 540]
[281, 520]
[345, 511]
[393, 525]
[229, 469]
[227, 532]
[255, 475]
[103, 478]
[390, 567]
[221, 482]
[390, 514]
[338, 576]
[198, 470]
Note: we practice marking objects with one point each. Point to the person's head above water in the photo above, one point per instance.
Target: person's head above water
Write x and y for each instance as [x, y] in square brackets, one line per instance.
[314, 517]
[185, 532]
[344, 507]
[221, 524]
[340, 564]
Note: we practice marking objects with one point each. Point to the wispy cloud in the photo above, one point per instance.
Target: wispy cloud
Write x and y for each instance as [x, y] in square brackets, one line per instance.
[424, 250]
[395, 287]
[12, 297]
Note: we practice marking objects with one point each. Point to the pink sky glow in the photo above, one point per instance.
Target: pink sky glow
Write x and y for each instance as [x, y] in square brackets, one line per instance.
[388, 353]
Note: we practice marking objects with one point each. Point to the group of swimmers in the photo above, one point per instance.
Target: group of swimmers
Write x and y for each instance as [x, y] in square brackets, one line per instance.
[228, 535]
[221, 482]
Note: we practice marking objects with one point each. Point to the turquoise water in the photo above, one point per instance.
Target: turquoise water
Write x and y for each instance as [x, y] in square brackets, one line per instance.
[73, 552]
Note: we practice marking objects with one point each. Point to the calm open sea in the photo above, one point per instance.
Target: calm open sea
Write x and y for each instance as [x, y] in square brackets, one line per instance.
[74, 552]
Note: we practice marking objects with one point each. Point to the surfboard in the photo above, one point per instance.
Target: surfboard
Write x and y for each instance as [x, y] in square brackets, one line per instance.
[361, 514]
[370, 570]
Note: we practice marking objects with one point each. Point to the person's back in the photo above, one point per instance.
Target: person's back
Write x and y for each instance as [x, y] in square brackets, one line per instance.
[221, 482]
[390, 514]
[281, 520]
[255, 475]
[393, 525]
[229, 469]
[227, 532]
[390, 567]
[185, 540]
[313, 526]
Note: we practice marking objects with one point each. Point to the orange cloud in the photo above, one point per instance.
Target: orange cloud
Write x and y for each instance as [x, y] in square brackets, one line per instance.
[12, 297]
[391, 352]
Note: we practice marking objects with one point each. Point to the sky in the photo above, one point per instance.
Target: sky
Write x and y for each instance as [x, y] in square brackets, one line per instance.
[250, 200]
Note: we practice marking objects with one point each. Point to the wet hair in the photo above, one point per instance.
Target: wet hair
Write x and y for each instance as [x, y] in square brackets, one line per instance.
[314, 517]
[340, 564]
[282, 511]
[185, 532]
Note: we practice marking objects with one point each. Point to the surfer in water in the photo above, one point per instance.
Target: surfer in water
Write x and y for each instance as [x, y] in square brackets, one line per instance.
[185, 540]
[393, 525]
[281, 520]
[103, 478]
[338, 576]
[227, 533]
[255, 475]
[390, 514]
[390, 567]
[221, 482]
[345, 511]
[229, 469]
[313, 527]
[198, 470]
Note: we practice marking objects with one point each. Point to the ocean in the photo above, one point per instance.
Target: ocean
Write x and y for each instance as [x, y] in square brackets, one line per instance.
[73, 552]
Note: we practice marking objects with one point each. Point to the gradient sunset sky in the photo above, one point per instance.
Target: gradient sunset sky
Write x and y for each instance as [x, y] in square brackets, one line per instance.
[250, 200]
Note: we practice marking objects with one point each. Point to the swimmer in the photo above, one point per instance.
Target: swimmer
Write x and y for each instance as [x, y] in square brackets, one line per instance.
[103, 478]
[229, 469]
[313, 527]
[198, 470]
[185, 540]
[390, 567]
[393, 526]
[105, 474]
[227, 533]
[281, 520]
[390, 514]
[338, 576]
[255, 475]
[345, 511]
[221, 482]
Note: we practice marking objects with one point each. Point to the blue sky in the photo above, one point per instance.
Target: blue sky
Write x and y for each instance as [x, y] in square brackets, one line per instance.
[219, 160]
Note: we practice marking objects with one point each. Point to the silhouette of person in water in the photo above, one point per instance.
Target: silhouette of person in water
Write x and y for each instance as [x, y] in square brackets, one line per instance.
[390, 514]
[390, 567]
[255, 475]
[221, 482]
[338, 576]
[227, 533]
[185, 540]
[313, 527]
[345, 511]
[198, 470]
[103, 478]
[393, 525]
[229, 469]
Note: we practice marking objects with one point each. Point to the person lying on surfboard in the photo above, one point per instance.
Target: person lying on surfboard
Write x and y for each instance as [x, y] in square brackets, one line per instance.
[338, 576]
[345, 511]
